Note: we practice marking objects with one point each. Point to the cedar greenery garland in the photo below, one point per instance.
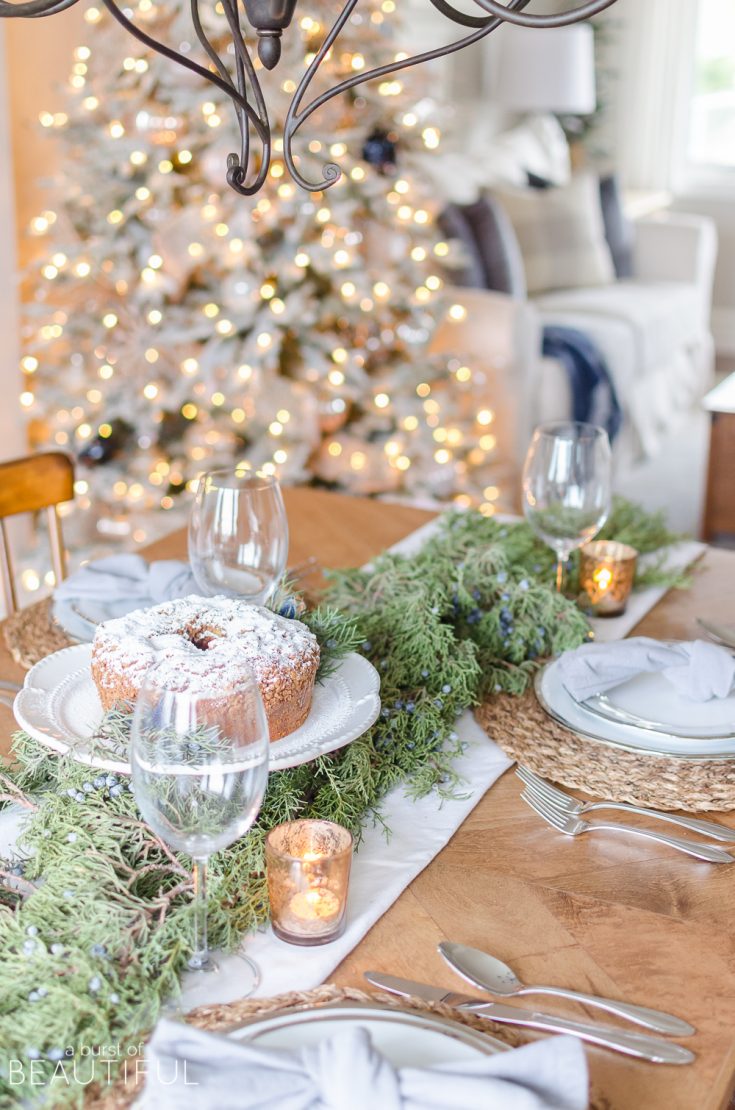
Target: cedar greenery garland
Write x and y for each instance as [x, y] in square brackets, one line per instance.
[96, 912]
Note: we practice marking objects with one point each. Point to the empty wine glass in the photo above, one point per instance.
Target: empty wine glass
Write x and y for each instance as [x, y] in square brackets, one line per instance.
[238, 534]
[200, 769]
[567, 486]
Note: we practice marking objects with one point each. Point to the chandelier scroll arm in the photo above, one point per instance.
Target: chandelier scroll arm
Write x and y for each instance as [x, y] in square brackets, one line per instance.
[206, 44]
[295, 118]
[33, 9]
[236, 165]
[237, 168]
[460, 17]
[213, 78]
[509, 14]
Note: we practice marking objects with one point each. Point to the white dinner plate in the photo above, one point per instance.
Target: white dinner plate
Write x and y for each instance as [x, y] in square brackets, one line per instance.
[559, 704]
[79, 619]
[59, 706]
[650, 702]
[407, 1040]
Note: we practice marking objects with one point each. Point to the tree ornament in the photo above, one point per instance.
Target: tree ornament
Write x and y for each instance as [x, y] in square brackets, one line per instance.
[379, 150]
[102, 449]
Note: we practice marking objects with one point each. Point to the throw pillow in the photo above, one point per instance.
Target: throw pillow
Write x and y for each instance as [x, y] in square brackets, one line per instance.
[618, 228]
[492, 255]
[469, 273]
[537, 144]
[561, 234]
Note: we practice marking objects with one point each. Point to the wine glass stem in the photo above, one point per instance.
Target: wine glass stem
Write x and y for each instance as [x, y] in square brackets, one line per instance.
[201, 949]
[560, 569]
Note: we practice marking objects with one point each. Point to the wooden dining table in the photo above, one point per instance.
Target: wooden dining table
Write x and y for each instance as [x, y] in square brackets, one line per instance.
[607, 914]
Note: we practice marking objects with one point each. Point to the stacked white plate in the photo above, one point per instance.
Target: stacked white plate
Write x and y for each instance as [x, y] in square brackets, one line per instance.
[406, 1039]
[60, 708]
[644, 714]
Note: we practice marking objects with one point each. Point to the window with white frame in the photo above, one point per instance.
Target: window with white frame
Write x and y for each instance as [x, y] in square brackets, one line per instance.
[711, 131]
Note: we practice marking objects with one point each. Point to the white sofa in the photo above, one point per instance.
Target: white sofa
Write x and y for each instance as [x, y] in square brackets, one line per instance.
[653, 330]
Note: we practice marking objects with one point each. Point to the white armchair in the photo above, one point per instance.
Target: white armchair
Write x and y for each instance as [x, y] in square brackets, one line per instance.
[653, 331]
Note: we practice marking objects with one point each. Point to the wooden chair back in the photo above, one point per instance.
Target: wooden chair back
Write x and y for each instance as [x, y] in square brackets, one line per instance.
[26, 486]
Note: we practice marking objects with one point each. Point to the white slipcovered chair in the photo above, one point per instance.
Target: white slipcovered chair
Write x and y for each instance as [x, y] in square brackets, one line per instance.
[654, 331]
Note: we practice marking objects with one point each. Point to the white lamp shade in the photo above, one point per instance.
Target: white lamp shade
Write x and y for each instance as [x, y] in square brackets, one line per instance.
[545, 70]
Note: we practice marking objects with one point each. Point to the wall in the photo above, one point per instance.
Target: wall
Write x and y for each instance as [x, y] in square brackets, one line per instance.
[42, 48]
[11, 433]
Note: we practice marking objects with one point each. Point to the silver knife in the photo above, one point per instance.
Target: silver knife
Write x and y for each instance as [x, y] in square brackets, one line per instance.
[490, 974]
[640, 1045]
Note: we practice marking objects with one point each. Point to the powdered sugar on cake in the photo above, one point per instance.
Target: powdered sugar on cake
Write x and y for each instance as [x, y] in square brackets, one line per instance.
[202, 644]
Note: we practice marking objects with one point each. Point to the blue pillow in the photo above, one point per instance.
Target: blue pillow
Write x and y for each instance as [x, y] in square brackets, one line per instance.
[494, 256]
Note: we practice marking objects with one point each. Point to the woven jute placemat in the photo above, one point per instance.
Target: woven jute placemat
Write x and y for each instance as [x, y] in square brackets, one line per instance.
[527, 734]
[220, 1019]
[31, 634]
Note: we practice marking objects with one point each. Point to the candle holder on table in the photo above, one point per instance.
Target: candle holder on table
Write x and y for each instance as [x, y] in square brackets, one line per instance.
[308, 866]
[606, 575]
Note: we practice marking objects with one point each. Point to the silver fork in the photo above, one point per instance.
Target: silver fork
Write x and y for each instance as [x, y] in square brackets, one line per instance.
[562, 801]
[574, 826]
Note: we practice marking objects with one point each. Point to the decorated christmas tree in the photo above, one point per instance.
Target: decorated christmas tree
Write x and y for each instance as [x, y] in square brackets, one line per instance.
[178, 326]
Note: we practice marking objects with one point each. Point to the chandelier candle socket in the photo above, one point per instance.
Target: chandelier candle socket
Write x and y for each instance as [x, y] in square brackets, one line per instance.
[606, 575]
[235, 73]
[308, 868]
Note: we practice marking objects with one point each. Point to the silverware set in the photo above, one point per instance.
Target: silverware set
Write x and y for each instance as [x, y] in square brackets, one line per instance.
[565, 813]
[493, 977]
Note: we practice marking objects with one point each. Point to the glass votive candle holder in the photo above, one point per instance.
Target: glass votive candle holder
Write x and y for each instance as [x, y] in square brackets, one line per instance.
[606, 575]
[308, 869]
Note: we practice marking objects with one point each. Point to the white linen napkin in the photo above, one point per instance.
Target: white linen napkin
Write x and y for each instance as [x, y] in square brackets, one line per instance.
[128, 579]
[188, 1067]
[698, 670]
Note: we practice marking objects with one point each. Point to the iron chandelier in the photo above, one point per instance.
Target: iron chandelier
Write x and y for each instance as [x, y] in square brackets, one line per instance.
[269, 19]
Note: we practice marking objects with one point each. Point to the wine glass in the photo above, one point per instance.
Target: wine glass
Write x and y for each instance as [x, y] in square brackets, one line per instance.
[200, 769]
[238, 534]
[567, 486]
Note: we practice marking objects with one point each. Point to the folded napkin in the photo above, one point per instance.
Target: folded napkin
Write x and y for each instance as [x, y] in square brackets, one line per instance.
[698, 671]
[188, 1067]
[128, 580]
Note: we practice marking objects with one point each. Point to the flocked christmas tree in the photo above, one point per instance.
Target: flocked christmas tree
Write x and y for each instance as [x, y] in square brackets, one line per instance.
[178, 325]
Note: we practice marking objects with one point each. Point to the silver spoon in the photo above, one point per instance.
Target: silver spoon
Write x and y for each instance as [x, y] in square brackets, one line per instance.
[495, 977]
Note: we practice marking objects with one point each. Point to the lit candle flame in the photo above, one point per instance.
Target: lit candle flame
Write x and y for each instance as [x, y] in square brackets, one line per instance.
[602, 578]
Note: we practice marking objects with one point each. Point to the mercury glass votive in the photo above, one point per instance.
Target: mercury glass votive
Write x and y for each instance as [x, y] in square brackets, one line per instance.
[308, 867]
[606, 574]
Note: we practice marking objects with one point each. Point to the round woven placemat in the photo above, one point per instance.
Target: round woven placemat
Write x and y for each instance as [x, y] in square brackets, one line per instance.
[218, 1019]
[31, 634]
[526, 733]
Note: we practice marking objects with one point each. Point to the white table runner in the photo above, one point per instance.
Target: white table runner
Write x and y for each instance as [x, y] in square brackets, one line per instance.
[418, 829]
[381, 870]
